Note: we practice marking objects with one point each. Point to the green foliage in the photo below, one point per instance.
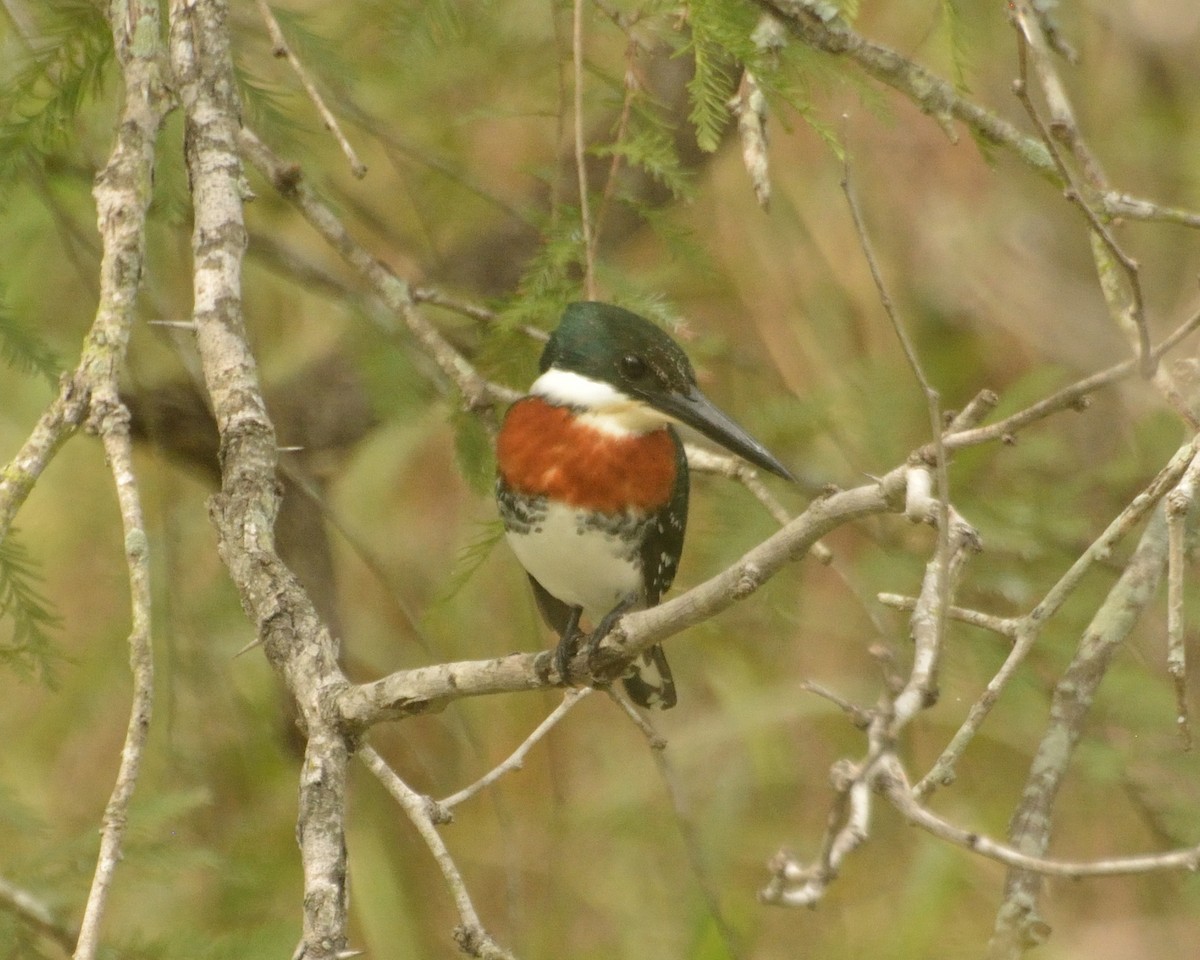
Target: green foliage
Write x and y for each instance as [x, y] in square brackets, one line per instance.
[955, 28]
[551, 278]
[270, 108]
[648, 145]
[46, 87]
[431, 26]
[473, 447]
[28, 649]
[23, 351]
[471, 557]
[720, 31]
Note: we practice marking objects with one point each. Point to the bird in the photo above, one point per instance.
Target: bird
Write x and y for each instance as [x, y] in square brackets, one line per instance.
[592, 480]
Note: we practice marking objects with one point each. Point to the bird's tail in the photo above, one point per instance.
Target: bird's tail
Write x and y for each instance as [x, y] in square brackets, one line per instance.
[649, 682]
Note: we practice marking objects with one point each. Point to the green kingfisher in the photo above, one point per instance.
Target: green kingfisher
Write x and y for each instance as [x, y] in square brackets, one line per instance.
[592, 481]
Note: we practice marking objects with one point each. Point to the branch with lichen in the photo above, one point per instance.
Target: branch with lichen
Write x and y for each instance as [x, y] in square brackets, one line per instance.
[298, 645]
[287, 178]
[89, 398]
[1018, 922]
[793, 883]
[819, 25]
[425, 815]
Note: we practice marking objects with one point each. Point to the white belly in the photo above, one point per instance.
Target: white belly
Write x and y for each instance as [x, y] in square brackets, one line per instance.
[580, 566]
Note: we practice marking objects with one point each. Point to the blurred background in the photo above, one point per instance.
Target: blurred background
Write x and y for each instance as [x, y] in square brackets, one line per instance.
[461, 112]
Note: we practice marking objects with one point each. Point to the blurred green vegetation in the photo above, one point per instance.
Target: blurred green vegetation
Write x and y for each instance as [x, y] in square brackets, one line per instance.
[461, 112]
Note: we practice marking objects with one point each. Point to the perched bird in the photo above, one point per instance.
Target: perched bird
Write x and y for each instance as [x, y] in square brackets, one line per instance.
[592, 480]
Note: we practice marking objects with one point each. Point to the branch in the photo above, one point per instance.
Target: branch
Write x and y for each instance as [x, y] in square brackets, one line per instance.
[471, 936]
[793, 884]
[61, 419]
[1005, 626]
[903, 798]
[298, 645]
[817, 24]
[280, 48]
[122, 192]
[1018, 923]
[431, 688]
[397, 295]
[119, 449]
[1073, 397]
[516, 760]
[32, 911]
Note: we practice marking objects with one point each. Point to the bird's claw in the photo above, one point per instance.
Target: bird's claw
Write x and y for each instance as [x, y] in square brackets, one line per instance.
[564, 653]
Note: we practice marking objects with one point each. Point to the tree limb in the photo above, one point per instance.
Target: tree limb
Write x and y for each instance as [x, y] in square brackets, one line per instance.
[298, 645]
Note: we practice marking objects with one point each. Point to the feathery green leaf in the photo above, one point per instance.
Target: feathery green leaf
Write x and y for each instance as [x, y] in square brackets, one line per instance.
[23, 351]
[471, 557]
[28, 649]
[44, 89]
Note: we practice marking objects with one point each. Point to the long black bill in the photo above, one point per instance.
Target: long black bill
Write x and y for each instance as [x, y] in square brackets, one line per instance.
[700, 413]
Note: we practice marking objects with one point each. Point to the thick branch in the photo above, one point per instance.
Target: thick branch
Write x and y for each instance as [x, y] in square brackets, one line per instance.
[298, 645]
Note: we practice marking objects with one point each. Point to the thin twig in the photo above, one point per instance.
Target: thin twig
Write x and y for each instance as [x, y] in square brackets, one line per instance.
[585, 217]
[516, 760]
[471, 936]
[1101, 548]
[123, 192]
[941, 564]
[860, 716]
[1179, 504]
[904, 799]
[32, 911]
[281, 48]
[119, 450]
[684, 821]
[632, 86]
[1030, 42]
[1005, 626]
[1070, 397]
[396, 294]
[942, 773]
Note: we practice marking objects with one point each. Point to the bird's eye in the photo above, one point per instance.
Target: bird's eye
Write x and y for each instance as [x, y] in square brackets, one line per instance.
[633, 366]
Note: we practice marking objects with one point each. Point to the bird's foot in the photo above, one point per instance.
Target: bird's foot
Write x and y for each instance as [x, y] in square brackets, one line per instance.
[604, 666]
[567, 647]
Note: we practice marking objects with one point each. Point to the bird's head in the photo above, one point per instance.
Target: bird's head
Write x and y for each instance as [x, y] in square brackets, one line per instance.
[629, 376]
